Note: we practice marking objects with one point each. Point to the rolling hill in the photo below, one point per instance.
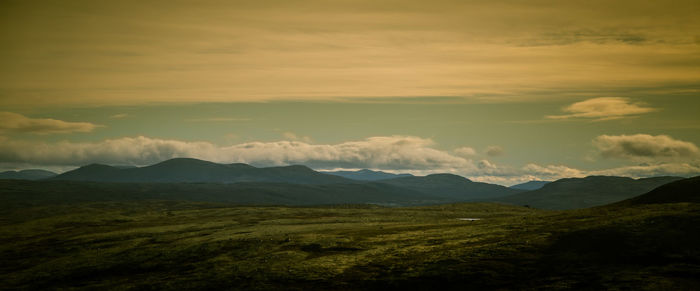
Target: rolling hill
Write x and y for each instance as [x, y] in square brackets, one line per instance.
[185, 170]
[451, 186]
[27, 174]
[367, 175]
[573, 193]
[686, 190]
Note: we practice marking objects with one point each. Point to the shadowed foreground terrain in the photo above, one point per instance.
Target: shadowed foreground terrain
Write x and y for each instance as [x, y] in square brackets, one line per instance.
[189, 245]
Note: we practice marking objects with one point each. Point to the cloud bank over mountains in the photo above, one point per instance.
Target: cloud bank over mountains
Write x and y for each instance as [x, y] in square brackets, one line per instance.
[389, 153]
[384, 152]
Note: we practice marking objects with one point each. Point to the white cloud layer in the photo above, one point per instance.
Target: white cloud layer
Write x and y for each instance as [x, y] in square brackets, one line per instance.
[18, 123]
[603, 108]
[389, 153]
[644, 146]
[386, 152]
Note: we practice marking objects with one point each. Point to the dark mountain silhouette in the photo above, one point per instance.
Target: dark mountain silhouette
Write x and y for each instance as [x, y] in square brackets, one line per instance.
[367, 175]
[573, 193]
[686, 190]
[451, 186]
[530, 185]
[91, 172]
[197, 171]
[27, 174]
[430, 189]
[242, 183]
[18, 193]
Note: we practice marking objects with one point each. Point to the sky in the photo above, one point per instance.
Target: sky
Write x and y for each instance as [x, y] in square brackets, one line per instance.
[496, 91]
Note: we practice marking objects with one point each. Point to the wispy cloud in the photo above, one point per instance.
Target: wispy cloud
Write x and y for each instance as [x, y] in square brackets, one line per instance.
[18, 123]
[119, 116]
[477, 50]
[494, 151]
[604, 108]
[218, 119]
[465, 151]
[293, 136]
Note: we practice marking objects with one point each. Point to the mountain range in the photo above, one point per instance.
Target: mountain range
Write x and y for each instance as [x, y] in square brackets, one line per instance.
[572, 193]
[186, 170]
[32, 174]
[366, 175]
[197, 180]
[438, 187]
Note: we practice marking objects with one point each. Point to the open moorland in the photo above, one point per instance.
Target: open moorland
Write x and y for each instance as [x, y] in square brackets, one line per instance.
[151, 244]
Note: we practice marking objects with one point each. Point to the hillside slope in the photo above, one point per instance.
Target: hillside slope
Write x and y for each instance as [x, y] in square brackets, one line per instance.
[574, 193]
[451, 186]
[686, 190]
[530, 185]
[367, 175]
[27, 174]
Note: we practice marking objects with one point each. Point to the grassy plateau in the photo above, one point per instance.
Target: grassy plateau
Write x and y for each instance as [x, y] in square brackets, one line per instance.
[470, 246]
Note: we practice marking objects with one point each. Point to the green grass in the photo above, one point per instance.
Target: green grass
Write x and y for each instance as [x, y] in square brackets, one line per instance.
[186, 245]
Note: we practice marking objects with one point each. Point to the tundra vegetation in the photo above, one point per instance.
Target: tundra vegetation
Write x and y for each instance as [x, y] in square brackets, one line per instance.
[156, 244]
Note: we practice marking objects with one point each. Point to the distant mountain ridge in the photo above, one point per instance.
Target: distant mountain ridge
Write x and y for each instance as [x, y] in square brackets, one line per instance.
[451, 186]
[530, 185]
[271, 182]
[32, 174]
[436, 187]
[573, 193]
[180, 170]
[366, 175]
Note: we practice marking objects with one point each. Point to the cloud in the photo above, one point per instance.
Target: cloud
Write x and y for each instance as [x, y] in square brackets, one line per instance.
[551, 172]
[119, 116]
[396, 154]
[663, 169]
[644, 146]
[293, 136]
[530, 172]
[217, 119]
[384, 152]
[494, 151]
[603, 108]
[505, 175]
[13, 122]
[465, 151]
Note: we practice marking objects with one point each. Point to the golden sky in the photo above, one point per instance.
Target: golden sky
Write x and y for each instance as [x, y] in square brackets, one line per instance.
[498, 91]
[134, 52]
